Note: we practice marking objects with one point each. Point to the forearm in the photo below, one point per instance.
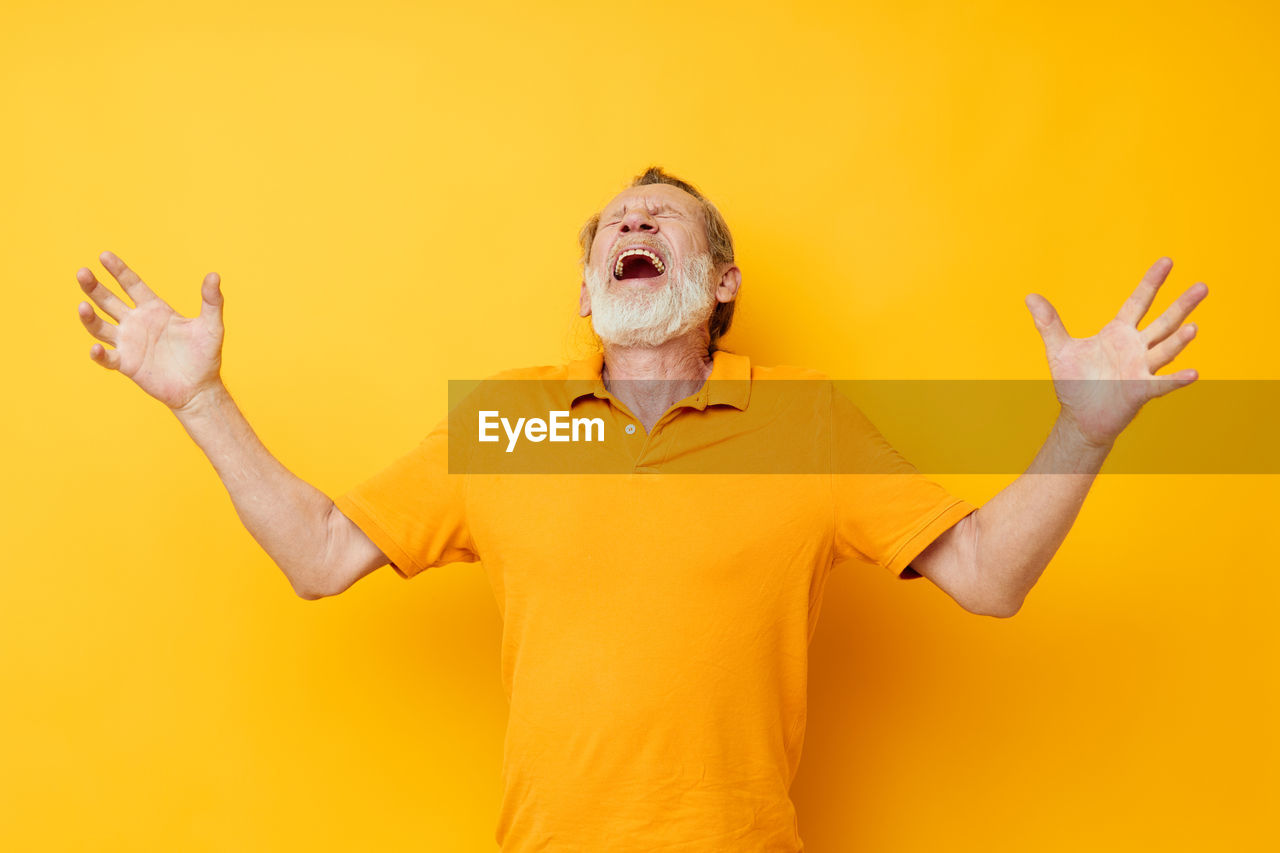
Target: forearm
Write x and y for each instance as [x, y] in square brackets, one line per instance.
[286, 515]
[1020, 529]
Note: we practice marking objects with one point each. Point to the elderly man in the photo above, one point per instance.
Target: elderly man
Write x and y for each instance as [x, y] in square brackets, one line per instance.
[656, 624]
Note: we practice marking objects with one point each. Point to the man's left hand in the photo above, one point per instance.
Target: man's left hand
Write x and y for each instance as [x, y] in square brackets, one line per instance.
[1100, 409]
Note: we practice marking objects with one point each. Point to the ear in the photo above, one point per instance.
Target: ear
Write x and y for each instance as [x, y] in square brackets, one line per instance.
[730, 281]
[584, 301]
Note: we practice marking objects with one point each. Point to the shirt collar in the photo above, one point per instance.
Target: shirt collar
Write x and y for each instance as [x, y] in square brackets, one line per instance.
[583, 378]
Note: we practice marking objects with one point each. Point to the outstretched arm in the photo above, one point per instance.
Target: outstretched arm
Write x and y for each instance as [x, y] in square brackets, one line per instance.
[991, 559]
[178, 361]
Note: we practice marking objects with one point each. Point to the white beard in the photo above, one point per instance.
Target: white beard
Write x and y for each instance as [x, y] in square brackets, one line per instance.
[627, 316]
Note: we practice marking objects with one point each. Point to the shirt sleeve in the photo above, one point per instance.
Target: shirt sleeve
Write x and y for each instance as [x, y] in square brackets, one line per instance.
[886, 511]
[414, 510]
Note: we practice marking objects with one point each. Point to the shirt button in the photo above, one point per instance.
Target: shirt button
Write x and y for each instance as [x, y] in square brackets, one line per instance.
[631, 429]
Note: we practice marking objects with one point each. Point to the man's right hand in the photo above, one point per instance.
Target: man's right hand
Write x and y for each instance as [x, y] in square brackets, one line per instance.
[171, 357]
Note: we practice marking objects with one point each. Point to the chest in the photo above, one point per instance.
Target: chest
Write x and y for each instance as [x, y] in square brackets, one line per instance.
[645, 540]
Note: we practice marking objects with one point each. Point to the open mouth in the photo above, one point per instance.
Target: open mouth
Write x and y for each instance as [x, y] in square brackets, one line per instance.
[638, 263]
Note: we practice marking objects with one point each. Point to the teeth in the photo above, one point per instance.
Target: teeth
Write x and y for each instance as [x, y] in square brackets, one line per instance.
[657, 261]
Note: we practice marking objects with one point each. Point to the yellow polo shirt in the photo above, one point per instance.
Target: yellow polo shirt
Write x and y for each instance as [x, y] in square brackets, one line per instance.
[656, 617]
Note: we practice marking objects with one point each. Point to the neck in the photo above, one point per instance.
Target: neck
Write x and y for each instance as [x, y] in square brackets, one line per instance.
[674, 370]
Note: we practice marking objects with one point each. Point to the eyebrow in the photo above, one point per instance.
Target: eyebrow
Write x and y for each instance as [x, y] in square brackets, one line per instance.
[660, 208]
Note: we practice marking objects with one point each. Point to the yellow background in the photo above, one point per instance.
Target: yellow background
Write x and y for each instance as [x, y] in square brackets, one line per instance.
[391, 193]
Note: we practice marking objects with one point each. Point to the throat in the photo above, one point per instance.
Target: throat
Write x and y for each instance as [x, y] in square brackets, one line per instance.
[650, 381]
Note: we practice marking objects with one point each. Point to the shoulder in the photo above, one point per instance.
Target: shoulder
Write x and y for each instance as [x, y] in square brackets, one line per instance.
[802, 393]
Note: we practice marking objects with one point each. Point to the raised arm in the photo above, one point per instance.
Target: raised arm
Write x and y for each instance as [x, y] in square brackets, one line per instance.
[177, 360]
[993, 557]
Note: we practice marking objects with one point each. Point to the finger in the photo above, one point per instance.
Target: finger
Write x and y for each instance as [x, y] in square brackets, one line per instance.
[97, 327]
[1167, 350]
[113, 306]
[1162, 326]
[1048, 323]
[134, 286]
[108, 358]
[1140, 301]
[1158, 386]
[211, 299]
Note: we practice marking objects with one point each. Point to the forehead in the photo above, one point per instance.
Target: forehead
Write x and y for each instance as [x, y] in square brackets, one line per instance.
[654, 196]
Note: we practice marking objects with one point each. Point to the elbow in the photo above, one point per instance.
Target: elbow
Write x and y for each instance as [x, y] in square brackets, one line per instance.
[316, 582]
[992, 600]
[310, 588]
[999, 610]
[308, 596]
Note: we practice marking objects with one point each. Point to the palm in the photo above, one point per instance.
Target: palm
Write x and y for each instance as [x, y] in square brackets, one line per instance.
[166, 354]
[1103, 380]
[169, 356]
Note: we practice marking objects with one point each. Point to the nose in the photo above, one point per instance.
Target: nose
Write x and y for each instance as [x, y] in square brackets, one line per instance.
[638, 219]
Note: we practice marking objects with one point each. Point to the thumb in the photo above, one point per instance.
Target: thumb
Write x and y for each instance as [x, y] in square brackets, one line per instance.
[211, 299]
[1047, 322]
